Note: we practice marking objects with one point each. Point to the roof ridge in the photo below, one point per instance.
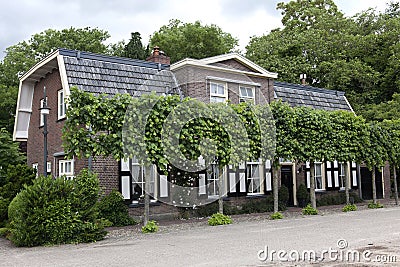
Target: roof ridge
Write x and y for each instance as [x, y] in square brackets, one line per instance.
[112, 59]
[311, 88]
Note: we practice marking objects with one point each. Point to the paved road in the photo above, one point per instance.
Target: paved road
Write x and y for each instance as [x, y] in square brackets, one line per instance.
[232, 245]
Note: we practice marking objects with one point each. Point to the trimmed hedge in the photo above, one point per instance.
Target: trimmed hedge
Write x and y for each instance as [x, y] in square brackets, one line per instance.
[56, 211]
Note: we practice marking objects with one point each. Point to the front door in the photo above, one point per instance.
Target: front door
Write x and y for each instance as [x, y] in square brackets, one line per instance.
[366, 183]
[287, 180]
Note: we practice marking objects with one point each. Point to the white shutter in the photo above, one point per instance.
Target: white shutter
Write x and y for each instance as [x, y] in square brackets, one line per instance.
[328, 164]
[202, 184]
[268, 181]
[125, 165]
[232, 182]
[163, 186]
[242, 181]
[125, 187]
[329, 178]
[308, 179]
[354, 178]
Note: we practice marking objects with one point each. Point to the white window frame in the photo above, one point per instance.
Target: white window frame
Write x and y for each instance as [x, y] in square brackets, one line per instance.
[216, 95]
[41, 122]
[61, 106]
[321, 176]
[69, 175]
[252, 177]
[138, 172]
[48, 167]
[212, 181]
[247, 98]
[36, 166]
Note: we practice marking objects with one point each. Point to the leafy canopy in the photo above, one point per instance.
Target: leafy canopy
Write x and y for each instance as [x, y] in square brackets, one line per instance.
[181, 40]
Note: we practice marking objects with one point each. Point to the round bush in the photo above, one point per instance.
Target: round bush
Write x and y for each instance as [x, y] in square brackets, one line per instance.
[56, 211]
[113, 208]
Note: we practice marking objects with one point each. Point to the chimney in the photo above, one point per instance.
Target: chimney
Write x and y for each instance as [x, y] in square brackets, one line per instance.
[303, 78]
[158, 56]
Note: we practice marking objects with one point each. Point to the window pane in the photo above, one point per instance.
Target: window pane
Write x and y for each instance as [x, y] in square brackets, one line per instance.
[243, 91]
[214, 88]
[249, 92]
[318, 170]
[221, 90]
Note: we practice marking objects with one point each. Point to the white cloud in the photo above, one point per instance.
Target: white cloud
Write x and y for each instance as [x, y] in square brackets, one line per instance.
[19, 19]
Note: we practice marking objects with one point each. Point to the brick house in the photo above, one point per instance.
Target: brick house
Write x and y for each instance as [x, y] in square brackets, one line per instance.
[217, 79]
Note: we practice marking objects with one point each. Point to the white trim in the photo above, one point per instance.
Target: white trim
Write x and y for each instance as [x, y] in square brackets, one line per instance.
[63, 75]
[39, 65]
[250, 64]
[203, 64]
[232, 81]
[61, 168]
[348, 104]
[36, 166]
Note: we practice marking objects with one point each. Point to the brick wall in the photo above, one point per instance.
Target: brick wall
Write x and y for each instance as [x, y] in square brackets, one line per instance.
[35, 134]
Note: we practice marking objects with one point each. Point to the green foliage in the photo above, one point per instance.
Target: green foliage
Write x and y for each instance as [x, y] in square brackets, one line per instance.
[349, 207]
[302, 192]
[4, 232]
[308, 210]
[9, 153]
[358, 55]
[16, 177]
[56, 211]
[376, 205]
[283, 194]
[337, 199]
[219, 219]
[150, 227]
[113, 208]
[134, 48]
[181, 40]
[276, 216]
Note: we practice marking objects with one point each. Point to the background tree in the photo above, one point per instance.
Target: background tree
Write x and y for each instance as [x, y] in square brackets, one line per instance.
[134, 48]
[358, 55]
[181, 40]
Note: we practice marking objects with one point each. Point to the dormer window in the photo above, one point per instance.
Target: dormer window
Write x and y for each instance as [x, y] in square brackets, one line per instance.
[246, 94]
[218, 92]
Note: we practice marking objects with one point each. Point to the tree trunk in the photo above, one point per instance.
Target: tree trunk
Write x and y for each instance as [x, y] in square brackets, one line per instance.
[373, 185]
[146, 195]
[346, 181]
[396, 193]
[220, 190]
[312, 185]
[275, 186]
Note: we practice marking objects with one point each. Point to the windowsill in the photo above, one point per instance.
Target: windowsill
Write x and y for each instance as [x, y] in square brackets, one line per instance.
[320, 191]
[61, 119]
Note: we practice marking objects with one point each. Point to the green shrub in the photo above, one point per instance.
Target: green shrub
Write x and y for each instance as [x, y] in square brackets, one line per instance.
[276, 216]
[14, 180]
[376, 205]
[308, 210]
[4, 232]
[302, 195]
[337, 199]
[56, 211]
[150, 227]
[219, 219]
[113, 208]
[349, 207]
[283, 197]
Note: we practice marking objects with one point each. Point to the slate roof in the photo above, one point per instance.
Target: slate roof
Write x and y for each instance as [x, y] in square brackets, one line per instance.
[111, 75]
[318, 98]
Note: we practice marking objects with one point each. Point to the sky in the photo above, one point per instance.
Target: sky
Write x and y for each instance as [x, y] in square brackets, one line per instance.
[19, 19]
